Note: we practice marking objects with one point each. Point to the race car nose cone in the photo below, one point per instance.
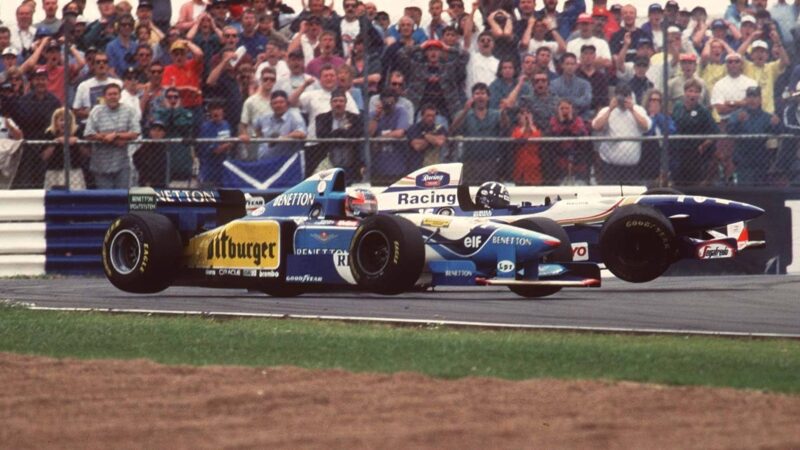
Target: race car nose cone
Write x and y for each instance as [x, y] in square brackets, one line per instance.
[552, 242]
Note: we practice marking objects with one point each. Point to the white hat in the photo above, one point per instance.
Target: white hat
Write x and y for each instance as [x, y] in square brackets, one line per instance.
[80, 19]
[9, 51]
[759, 44]
[673, 29]
[748, 18]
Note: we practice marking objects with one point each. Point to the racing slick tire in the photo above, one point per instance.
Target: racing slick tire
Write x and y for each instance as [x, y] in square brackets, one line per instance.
[637, 243]
[387, 254]
[562, 253]
[141, 252]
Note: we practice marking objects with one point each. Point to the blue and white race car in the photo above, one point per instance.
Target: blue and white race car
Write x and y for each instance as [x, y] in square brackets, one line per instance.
[637, 237]
[317, 237]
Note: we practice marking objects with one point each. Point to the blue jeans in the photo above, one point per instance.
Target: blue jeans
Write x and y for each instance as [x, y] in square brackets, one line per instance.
[113, 180]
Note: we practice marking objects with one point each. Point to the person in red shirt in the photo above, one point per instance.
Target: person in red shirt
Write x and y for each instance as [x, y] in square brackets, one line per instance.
[185, 73]
[54, 65]
[527, 165]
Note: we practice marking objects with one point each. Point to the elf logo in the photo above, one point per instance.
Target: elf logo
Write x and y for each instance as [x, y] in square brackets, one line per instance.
[473, 242]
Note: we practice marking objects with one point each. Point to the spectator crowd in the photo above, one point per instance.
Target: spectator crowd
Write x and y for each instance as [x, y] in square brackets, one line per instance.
[254, 69]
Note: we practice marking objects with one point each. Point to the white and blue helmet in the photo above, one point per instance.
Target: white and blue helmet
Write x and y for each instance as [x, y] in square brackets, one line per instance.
[492, 195]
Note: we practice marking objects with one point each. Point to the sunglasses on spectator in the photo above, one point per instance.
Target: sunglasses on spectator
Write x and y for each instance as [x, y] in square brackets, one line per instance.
[101, 61]
[156, 71]
[396, 83]
[172, 97]
[655, 99]
[349, 5]
[265, 79]
[540, 80]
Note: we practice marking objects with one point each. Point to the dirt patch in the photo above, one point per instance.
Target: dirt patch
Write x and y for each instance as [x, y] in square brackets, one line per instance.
[69, 403]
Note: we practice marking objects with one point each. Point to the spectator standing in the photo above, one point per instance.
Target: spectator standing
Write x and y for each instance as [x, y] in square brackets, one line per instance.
[54, 67]
[121, 50]
[273, 57]
[185, 74]
[541, 103]
[90, 91]
[112, 125]
[296, 76]
[179, 122]
[391, 159]
[131, 93]
[327, 44]
[404, 41]
[50, 24]
[619, 160]
[53, 155]
[727, 96]
[100, 32]
[252, 40]
[368, 70]
[144, 58]
[482, 65]
[427, 139]
[568, 162]
[597, 77]
[153, 92]
[306, 38]
[536, 37]
[763, 71]
[653, 157]
[280, 123]
[788, 161]
[570, 86]
[712, 62]
[207, 36]
[527, 169]
[689, 158]
[688, 64]
[655, 15]
[211, 155]
[476, 120]
[315, 102]
[586, 37]
[222, 84]
[565, 20]
[33, 112]
[625, 42]
[144, 20]
[23, 32]
[505, 82]
[340, 123]
[188, 14]
[752, 156]
[150, 160]
[256, 106]
[500, 24]
[434, 75]
[396, 83]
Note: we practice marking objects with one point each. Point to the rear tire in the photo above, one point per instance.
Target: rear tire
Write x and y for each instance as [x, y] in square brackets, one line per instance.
[562, 253]
[387, 254]
[638, 243]
[141, 252]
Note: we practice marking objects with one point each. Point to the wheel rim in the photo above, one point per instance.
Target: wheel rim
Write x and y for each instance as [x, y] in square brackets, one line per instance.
[372, 253]
[125, 252]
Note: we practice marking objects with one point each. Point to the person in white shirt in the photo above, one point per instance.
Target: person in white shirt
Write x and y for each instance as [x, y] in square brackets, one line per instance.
[727, 94]
[296, 76]
[273, 57]
[619, 160]
[23, 32]
[586, 37]
[90, 91]
[482, 65]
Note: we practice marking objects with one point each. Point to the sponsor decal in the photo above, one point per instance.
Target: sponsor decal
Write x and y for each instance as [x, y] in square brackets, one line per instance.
[715, 250]
[321, 186]
[268, 274]
[306, 278]
[211, 272]
[250, 273]
[237, 245]
[505, 266]
[317, 251]
[294, 199]
[482, 213]
[142, 202]
[457, 273]
[261, 210]
[580, 251]
[323, 236]
[433, 178]
[436, 222]
[346, 223]
[511, 240]
[230, 272]
[473, 242]
[425, 198]
[185, 196]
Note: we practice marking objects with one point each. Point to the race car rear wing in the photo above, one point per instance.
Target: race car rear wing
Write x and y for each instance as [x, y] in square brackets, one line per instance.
[228, 204]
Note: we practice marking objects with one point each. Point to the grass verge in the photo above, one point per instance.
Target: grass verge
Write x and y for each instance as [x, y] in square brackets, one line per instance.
[770, 365]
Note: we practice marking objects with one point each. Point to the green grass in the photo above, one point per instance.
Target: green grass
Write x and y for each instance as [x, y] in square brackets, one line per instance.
[771, 365]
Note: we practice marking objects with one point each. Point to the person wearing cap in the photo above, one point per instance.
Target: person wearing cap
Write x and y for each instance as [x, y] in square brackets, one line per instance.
[150, 159]
[586, 37]
[570, 86]
[306, 38]
[684, 19]
[644, 50]
[752, 157]
[765, 72]
[9, 59]
[50, 24]
[655, 15]
[619, 160]
[296, 75]
[671, 12]
[131, 94]
[144, 18]
[100, 32]
[53, 65]
[598, 79]
[33, 112]
[625, 42]
[185, 74]
[341, 123]
[212, 155]
[688, 63]
[675, 46]
[689, 158]
[282, 122]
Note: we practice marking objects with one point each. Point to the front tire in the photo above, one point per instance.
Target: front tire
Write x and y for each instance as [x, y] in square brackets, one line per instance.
[638, 243]
[387, 254]
[562, 253]
[141, 252]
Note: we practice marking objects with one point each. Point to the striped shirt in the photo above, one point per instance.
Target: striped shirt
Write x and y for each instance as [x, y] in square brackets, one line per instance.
[109, 158]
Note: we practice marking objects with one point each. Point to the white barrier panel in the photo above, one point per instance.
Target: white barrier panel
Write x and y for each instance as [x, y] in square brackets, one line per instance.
[22, 238]
[21, 265]
[537, 194]
[22, 205]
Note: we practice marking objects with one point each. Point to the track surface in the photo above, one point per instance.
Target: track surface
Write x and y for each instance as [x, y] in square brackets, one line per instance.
[742, 304]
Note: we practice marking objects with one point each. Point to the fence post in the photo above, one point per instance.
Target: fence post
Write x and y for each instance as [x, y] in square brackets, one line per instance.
[663, 165]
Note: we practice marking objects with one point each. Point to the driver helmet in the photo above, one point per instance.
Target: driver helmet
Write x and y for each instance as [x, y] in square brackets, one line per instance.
[492, 195]
[361, 203]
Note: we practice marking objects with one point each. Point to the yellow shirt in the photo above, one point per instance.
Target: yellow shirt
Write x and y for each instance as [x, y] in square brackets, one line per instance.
[765, 77]
[711, 73]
